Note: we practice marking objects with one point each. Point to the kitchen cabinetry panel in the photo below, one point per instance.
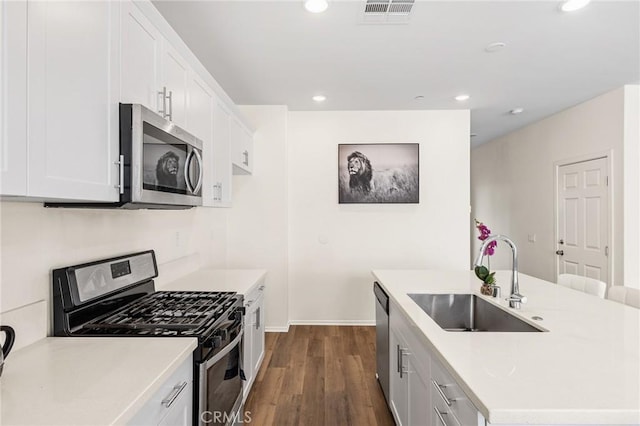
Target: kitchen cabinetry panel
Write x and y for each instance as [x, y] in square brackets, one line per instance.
[172, 404]
[73, 100]
[13, 98]
[175, 75]
[253, 343]
[141, 45]
[241, 147]
[424, 390]
[219, 156]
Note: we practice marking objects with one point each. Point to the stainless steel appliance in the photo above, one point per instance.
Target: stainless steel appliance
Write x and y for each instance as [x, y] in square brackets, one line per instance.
[10, 337]
[160, 165]
[116, 297]
[382, 338]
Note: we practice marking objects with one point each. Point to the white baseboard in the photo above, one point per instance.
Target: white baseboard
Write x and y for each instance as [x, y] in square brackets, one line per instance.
[277, 329]
[344, 323]
[334, 322]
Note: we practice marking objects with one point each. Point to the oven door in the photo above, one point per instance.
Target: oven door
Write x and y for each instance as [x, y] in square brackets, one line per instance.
[166, 161]
[220, 385]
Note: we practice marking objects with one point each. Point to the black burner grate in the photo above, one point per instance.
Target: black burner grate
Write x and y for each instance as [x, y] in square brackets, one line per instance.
[166, 312]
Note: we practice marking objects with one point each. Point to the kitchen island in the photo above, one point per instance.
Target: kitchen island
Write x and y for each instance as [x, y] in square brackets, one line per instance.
[584, 369]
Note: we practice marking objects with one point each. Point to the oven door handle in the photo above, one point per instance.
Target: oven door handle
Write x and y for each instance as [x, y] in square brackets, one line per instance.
[217, 357]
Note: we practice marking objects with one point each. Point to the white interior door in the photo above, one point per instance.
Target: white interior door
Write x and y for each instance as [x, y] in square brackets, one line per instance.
[583, 219]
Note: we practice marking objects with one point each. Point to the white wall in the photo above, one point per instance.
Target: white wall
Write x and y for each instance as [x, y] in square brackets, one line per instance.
[512, 177]
[35, 239]
[334, 247]
[258, 220]
[632, 186]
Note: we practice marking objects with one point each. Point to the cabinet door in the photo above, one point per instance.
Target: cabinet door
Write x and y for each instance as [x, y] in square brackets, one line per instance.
[175, 75]
[419, 393]
[221, 159]
[241, 147]
[257, 346]
[247, 347]
[399, 389]
[180, 411]
[73, 109]
[140, 58]
[200, 123]
[13, 98]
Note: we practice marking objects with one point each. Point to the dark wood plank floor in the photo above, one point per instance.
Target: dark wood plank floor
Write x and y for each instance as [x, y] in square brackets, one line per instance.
[319, 376]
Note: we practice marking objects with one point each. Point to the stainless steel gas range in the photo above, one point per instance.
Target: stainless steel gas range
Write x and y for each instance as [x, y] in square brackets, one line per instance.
[117, 297]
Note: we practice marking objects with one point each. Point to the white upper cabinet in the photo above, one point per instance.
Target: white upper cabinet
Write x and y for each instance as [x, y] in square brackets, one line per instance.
[141, 46]
[174, 79]
[220, 156]
[200, 122]
[73, 114]
[13, 98]
[241, 148]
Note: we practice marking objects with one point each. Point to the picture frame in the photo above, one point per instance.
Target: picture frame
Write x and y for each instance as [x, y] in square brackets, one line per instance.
[379, 173]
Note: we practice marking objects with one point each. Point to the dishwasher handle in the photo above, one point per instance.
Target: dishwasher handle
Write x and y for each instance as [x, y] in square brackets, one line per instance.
[381, 296]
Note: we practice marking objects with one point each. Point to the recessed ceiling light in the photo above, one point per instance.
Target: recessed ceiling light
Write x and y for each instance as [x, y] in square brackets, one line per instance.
[516, 111]
[494, 47]
[319, 98]
[419, 98]
[571, 5]
[461, 98]
[316, 6]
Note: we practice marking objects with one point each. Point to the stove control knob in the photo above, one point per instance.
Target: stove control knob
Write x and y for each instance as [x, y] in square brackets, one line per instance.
[222, 334]
[214, 342]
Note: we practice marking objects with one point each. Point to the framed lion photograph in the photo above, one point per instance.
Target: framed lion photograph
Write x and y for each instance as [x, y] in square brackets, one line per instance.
[379, 173]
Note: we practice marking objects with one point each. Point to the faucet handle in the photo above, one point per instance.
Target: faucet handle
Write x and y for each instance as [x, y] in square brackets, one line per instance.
[515, 300]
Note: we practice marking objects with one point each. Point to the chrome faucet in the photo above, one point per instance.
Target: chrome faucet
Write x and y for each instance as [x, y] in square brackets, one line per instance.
[515, 299]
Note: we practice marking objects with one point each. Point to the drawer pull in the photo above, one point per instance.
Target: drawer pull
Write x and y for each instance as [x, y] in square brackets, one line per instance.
[177, 389]
[439, 414]
[442, 395]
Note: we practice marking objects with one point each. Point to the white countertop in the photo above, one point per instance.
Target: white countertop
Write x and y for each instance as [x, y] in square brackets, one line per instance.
[584, 370]
[86, 381]
[238, 280]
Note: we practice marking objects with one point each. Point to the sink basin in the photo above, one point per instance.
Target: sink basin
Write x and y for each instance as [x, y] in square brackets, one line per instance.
[468, 312]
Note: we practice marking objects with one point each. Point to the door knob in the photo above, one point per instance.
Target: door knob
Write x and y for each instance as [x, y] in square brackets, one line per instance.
[560, 252]
[561, 242]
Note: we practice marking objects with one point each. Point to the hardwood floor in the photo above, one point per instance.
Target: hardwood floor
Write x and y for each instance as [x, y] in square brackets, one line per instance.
[317, 376]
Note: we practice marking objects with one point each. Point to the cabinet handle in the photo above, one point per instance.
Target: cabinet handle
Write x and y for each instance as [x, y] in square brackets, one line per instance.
[174, 394]
[441, 392]
[163, 94]
[170, 115]
[246, 158]
[120, 184]
[398, 360]
[258, 319]
[403, 352]
[439, 414]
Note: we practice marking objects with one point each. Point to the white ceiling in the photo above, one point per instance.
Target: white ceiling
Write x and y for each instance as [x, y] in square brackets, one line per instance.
[275, 52]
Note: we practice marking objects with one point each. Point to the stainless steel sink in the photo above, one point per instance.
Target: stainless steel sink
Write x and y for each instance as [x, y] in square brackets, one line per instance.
[468, 312]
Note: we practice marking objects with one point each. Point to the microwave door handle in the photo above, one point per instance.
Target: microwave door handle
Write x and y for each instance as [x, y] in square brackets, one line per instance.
[199, 184]
[186, 171]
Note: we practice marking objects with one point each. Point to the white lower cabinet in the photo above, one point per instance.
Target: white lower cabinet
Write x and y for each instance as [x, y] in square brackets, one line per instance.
[253, 343]
[422, 391]
[172, 404]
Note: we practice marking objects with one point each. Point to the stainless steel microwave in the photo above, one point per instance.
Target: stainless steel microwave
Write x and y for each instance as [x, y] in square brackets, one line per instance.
[160, 164]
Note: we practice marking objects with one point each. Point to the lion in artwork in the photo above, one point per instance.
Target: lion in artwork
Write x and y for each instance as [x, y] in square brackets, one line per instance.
[167, 170]
[360, 172]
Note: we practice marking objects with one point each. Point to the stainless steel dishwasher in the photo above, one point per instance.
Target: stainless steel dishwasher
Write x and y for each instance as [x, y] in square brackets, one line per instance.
[382, 338]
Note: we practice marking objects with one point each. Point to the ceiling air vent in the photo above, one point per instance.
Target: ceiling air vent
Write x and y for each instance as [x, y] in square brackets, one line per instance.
[387, 11]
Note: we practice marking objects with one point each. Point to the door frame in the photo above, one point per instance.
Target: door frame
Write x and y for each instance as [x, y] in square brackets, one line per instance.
[608, 156]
